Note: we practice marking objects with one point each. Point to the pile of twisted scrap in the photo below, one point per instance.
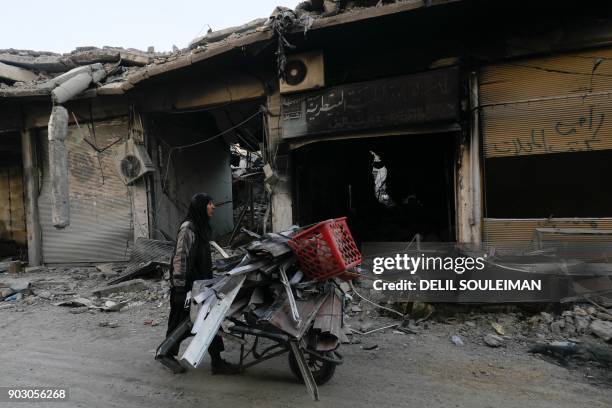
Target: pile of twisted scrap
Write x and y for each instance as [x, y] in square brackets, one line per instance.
[265, 289]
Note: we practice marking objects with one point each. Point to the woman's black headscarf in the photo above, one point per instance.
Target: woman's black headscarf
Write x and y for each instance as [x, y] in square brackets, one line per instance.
[198, 214]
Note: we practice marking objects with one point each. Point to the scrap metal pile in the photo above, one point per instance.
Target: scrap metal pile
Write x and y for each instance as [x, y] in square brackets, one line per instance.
[265, 289]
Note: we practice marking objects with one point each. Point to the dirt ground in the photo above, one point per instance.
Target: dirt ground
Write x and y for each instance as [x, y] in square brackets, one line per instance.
[107, 366]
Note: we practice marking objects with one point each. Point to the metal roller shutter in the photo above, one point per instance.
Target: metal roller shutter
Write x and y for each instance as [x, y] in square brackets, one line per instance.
[556, 104]
[547, 105]
[521, 231]
[100, 207]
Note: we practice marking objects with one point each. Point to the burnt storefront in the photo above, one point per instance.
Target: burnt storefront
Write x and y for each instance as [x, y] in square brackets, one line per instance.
[381, 152]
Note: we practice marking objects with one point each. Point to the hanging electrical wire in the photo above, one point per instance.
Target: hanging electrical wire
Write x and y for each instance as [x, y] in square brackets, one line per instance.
[260, 111]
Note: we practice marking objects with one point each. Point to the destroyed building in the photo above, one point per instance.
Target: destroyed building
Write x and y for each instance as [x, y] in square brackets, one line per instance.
[455, 120]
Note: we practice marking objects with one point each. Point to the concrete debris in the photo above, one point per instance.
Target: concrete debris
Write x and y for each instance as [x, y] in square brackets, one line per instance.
[498, 328]
[73, 82]
[46, 63]
[110, 325]
[557, 326]
[565, 350]
[60, 79]
[493, 340]
[11, 287]
[134, 285]
[34, 269]
[457, 341]
[111, 306]
[84, 304]
[16, 74]
[548, 318]
[76, 302]
[215, 36]
[602, 329]
[45, 294]
[6, 292]
[108, 270]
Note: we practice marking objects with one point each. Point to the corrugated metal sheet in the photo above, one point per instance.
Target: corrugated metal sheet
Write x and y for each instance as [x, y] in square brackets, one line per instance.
[547, 105]
[12, 214]
[594, 245]
[518, 232]
[101, 227]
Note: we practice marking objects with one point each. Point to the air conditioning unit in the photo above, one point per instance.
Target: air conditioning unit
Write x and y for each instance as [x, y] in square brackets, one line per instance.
[134, 162]
[303, 72]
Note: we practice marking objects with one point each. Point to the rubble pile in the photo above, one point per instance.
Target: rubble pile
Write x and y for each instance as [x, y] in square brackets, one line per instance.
[581, 320]
[82, 288]
[579, 323]
[27, 73]
[113, 298]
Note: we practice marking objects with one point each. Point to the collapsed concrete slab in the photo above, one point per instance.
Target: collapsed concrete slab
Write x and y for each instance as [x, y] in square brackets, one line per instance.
[48, 63]
[16, 74]
[215, 36]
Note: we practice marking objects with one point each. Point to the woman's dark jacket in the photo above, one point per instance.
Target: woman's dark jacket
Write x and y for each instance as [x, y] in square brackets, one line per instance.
[192, 258]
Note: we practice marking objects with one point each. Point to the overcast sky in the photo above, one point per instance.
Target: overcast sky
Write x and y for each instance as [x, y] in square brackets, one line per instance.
[62, 25]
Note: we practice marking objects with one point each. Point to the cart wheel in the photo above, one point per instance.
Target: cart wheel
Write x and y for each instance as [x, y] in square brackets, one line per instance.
[322, 371]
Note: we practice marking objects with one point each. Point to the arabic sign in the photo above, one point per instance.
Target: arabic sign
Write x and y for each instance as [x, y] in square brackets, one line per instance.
[407, 100]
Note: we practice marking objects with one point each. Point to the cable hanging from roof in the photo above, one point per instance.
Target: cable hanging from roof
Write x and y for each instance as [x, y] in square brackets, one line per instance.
[259, 111]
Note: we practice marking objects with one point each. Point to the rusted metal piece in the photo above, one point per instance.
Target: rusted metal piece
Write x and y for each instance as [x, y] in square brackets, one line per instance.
[279, 314]
[329, 321]
[309, 380]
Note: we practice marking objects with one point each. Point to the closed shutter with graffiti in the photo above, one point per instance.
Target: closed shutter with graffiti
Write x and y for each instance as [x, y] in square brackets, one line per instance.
[546, 125]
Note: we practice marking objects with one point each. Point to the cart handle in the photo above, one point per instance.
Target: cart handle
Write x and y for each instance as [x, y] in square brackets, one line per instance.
[257, 332]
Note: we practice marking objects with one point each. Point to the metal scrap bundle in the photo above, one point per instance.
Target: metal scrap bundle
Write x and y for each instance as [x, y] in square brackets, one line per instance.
[266, 289]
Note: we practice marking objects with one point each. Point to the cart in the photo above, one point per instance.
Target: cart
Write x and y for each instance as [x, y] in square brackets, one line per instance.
[290, 302]
[308, 365]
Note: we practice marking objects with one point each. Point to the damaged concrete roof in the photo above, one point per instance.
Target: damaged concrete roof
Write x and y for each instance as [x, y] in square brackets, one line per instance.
[29, 73]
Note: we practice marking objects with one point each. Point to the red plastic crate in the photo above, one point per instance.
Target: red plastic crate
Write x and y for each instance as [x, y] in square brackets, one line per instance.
[326, 250]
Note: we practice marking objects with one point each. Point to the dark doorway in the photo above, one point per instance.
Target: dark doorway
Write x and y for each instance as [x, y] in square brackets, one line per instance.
[390, 188]
[13, 236]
